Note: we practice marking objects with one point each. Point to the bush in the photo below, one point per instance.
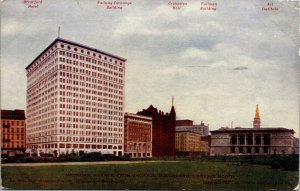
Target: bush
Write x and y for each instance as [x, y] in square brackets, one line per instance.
[290, 163]
[30, 159]
[275, 165]
[93, 156]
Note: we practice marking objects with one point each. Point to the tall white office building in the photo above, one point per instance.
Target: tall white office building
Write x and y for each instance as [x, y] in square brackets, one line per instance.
[75, 100]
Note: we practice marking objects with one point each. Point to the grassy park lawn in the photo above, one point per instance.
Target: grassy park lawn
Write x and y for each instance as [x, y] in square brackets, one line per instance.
[204, 175]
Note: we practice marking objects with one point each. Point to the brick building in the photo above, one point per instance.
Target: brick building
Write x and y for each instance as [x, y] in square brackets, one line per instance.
[189, 143]
[137, 135]
[13, 129]
[75, 100]
[163, 131]
[184, 122]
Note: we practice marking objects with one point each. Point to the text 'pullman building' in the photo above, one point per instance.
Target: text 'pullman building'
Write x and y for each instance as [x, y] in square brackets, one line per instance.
[75, 100]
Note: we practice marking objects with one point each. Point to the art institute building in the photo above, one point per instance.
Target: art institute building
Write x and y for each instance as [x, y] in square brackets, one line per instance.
[253, 141]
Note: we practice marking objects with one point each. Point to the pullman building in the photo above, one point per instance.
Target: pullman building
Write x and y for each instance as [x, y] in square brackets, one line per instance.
[75, 100]
[138, 136]
[188, 125]
[13, 128]
[163, 131]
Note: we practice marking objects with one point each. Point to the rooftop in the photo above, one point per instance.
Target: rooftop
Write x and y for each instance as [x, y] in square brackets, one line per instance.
[240, 129]
[75, 44]
[13, 114]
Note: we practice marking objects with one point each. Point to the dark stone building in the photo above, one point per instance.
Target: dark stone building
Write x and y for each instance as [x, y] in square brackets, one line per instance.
[163, 131]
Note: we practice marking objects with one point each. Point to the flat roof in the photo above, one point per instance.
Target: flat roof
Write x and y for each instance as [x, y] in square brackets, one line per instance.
[16, 114]
[127, 114]
[264, 129]
[75, 44]
[188, 132]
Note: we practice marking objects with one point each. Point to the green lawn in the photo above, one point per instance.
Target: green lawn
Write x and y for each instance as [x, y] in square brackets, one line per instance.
[202, 175]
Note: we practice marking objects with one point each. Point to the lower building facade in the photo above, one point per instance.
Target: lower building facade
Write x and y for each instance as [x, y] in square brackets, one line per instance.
[189, 143]
[252, 141]
[13, 131]
[137, 136]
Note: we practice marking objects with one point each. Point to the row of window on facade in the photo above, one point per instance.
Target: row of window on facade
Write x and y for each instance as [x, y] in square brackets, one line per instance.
[89, 79]
[7, 144]
[94, 113]
[76, 146]
[44, 88]
[86, 92]
[92, 130]
[41, 62]
[10, 123]
[249, 150]
[250, 139]
[85, 101]
[52, 52]
[76, 139]
[82, 51]
[90, 94]
[78, 71]
[90, 85]
[133, 154]
[100, 67]
[12, 134]
[138, 147]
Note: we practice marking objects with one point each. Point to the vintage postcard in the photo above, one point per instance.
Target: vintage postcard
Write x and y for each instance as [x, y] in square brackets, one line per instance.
[150, 94]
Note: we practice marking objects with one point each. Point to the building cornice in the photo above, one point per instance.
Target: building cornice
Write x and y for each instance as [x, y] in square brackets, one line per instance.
[75, 44]
[252, 130]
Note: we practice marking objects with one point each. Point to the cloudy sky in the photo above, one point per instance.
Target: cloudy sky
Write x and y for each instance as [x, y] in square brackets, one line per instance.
[217, 64]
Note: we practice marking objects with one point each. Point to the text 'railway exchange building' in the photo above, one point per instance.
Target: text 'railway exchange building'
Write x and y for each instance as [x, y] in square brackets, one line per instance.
[75, 100]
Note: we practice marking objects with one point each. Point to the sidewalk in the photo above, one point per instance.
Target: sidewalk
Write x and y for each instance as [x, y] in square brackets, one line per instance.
[78, 163]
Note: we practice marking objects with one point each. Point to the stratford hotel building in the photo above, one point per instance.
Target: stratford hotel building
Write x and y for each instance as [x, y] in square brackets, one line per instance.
[75, 100]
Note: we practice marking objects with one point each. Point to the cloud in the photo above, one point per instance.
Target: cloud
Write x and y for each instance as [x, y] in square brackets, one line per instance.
[11, 27]
[196, 54]
[241, 68]
[174, 71]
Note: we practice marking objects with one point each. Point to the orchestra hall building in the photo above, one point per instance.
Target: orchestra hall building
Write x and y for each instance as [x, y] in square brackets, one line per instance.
[253, 141]
[75, 100]
[163, 131]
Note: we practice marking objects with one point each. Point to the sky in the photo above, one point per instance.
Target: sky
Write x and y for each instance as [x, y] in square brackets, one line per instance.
[217, 64]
